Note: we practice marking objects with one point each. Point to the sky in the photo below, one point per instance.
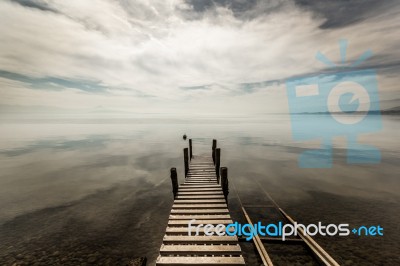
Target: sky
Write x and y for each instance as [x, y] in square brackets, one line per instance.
[192, 57]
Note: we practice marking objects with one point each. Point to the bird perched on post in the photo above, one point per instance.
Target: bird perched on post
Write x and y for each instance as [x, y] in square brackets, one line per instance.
[184, 136]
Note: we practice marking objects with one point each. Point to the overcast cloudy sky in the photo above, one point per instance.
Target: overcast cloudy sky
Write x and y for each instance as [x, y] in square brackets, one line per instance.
[194, 56]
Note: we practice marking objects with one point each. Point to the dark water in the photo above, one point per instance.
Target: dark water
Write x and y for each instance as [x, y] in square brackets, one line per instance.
[78, 192]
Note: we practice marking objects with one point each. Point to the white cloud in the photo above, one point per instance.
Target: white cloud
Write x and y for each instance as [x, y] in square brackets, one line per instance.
[144, 48]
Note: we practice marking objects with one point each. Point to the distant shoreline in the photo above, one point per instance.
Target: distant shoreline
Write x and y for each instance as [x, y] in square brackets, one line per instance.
[374, 112]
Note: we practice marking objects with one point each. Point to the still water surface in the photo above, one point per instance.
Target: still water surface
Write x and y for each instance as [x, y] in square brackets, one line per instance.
[81, 191]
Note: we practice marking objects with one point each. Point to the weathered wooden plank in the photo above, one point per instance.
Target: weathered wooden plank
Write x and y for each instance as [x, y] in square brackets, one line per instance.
[200, 239]
[186, 189]
[201, 173]
[202, 183]
[200, 201]
[188, 186]
[200, 217]
[197, 222]
[206, 175]
[202, 179]
[200, 249]
[201, 197]
[204, 192]
[181, 193]
[212, 181]
[169, 261]
[201, 176]
[185, 230]
[197, 179]
[199, 211]
[199, 206]
[201, 170]
[199, 186]
[211, 178]
[202, 166]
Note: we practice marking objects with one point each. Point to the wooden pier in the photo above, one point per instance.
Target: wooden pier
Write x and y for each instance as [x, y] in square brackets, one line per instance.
[201, 197]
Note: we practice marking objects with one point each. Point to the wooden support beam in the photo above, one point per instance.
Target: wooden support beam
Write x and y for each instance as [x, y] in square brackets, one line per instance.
[258, 243]
[174, 180]
[224, 182]
[186, 160]
[190, 149]
[315, 248]
[217, 161]
[214, 146]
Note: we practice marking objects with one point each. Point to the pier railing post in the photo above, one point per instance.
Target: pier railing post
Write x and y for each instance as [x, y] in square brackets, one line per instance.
[224, 182]
[217, 161]
[190, 149]
[174, 180]
[186, 158]
[214, 146]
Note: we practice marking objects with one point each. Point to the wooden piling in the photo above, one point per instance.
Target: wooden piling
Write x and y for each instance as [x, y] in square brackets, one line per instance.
[190, 149]
[174, 180]
[214, 146]
[224, 182]
[186, 159]
[217, 161]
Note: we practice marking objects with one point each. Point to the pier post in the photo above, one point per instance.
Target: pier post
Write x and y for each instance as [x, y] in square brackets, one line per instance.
[214, 146]
[217, 161]
[174, 180]
[190, 149]
[186, 158]
[224, 182]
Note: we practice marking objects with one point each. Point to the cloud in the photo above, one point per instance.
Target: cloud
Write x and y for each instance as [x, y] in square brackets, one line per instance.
[201, 87]
[38, 4]
[53, 83]
[164, 56]
[339, 13]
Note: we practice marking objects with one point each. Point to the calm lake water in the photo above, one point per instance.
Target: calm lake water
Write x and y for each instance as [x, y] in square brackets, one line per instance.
[81, 191]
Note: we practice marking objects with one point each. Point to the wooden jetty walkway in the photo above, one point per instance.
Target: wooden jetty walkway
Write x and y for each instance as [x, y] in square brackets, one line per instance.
[204, 197]
[201, 197]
